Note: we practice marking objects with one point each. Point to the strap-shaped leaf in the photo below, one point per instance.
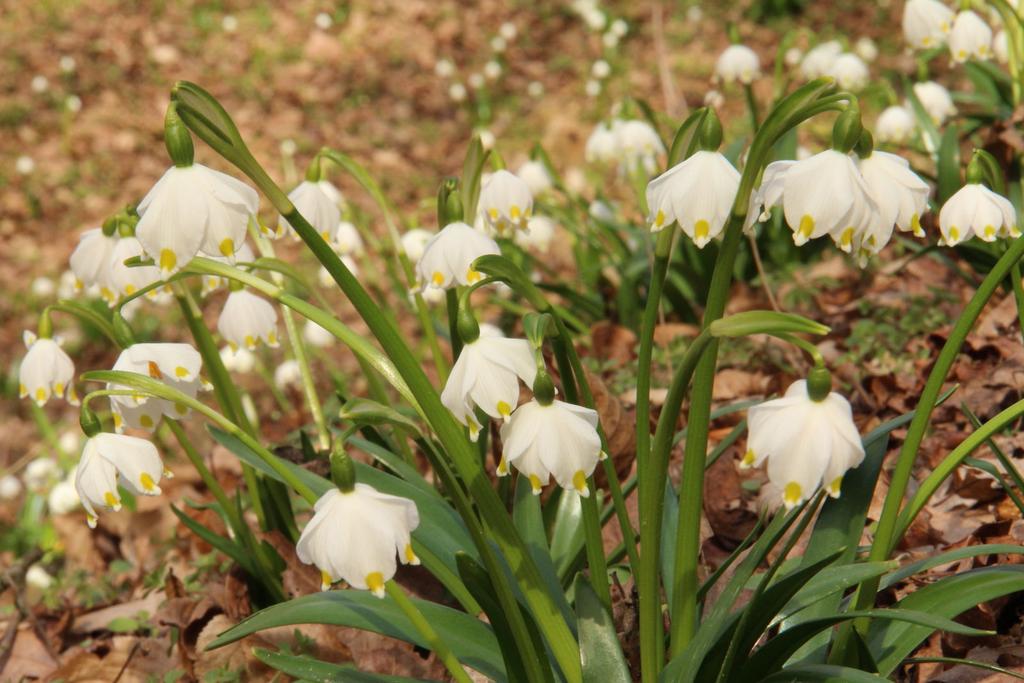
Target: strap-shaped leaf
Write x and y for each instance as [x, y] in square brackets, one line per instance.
[600, 649]
[306, 668]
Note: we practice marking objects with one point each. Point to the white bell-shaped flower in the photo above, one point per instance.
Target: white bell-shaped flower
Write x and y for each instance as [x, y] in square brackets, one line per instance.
[332, 192]
[926, 23]
[176, 365]
[124, 281]
[112, 459]
[900, 194]
[975, 208]
[738, 63]
[316, 335]
[288, 375]
[414, 242]
[45, 371]
[212, 283]
[486, 375]
[603, 145]
[63, 498]
[315, 206]
[819, 59]
[10, 487]
[866, 49]
[808, 444]
[90, 261]
[936, 101]
[240, 360]
[896, 124]
[823, 195]
[357, 536]
[638, 146]
[41, 473]
[506, 202]
[1001, 47]
[557, 440]
[347, 240]
[850, 71]
[246, 320]
[448, 257]
[697, 194]
[535, 175]
[193, 208]
[538, 234]
[970, 38]
[325, 279]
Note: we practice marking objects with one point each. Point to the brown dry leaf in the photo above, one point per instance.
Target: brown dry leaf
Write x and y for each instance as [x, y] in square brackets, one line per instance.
[126, 659]
[100, 619]
[613, 343]
[668, 333]
[29, 658]
[734, 383]
[236, 656]
[724, 505]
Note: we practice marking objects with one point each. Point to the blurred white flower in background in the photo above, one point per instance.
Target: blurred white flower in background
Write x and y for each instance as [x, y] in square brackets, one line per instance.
[819, 59]
[535, 89]
[247, 319]
[67, 64]
[713, 99]
[444, 68]
[866, 49]
[492, 70]
[793, 56]
[288, 374]
[323, 21]
[43, 287]
[229, 23]
[40, 84]
[737, 63]
[10, 487]
[970, 38]
[24, 164]
[476, 80]
[508, 31]
[600, 69]
[926, 23]
[850, 72]
[1000, 47]
[316, 335]
[498, 44]
[538, 235]
[240, 360]
[592, 88]
[414, 242]
[896, 124]
[40, 473]
[535, 175]
[936, 101]
[63, 497]
[457, 92]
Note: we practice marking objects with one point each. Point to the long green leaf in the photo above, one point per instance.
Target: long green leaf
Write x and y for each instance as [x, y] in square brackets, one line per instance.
[823, 673]
[471, 640]
[600, 649]
[305, 668]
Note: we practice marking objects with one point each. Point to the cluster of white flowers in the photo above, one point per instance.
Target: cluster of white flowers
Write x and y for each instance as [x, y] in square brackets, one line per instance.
[829, 59]
[631, 143]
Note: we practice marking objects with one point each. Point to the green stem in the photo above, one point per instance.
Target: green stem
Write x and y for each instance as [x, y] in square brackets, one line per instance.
[1018, 293]
[748, 92]
[433, 640]
[452, 304]
[45, 427]
[652, 502]
[85, 314]
[885, 533]
[595, 547]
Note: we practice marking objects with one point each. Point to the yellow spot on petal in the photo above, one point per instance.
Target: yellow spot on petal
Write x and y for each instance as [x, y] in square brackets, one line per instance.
[748, 458]
[514, 212]
[961, 55]
[792, 494]
[22, 391]
[990, 233]
[375, 582]
[181, 372]
[233, 346]
[146, 421]
[437, 278]
[118, 421]
[700, 230]
[58, 389]
[154, 371]
[272, 339]
[40, 395]
[833, 488]
[250, 342]
[806, 226]
[91, 521]
[493, 213]
[181, 409]
[659, 219]
[504, 409]
[167, 259]
[167, 474]
[535, 484]
[473, 276]
[502, 467]
[227, 247]
[410, 556]
[111, 500]
[846, 239]
[325, 580]
[954, 233]
[148, 485]
[579, 482]
[915, 225]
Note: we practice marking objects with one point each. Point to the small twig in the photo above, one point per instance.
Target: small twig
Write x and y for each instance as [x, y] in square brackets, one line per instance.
[675, 105]
[14, 578]
[127, 661]
[762, 274]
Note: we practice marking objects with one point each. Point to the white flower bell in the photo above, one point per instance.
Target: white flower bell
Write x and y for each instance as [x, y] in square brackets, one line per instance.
[936, 101]
[316, 206]
[819, 59]
[316, 335]
[738, 63]
[896, 124]
[414, 242]
[970, 38]
[10, 487]
[90, 261]
[41, 473]
[212, 283]
[347, 240]
[63, 498]
[506, 202]
[638, 146]
[124, 281]
[486, 375]
[45, 371]
[603, 145]
[535, 175]
[850, 72]
[808, 443]
[975, 208]
[1001, 47]
[900, 194]
[448, 257]
[926, 23]
[557, 440]
[288, 374]
[110, 459]
[176, 365]
[246, 320]
[357, 535]
[697, 194]
[538, 235]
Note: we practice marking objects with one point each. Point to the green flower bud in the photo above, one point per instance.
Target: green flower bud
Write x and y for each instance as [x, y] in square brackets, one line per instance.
[177, 139]
[45, 329]
[449, 202]
[710, 132]
[343, 470]
[313, 172]
[122, 330]
[847, 129]
[543, 387]
[90, 423]
[819, 383]
[976, 170]
[466, 324]
[865, 145]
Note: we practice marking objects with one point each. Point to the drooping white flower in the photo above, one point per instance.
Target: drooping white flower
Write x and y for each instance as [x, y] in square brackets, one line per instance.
[738, 63]
[535, 175]
[448, 257]
[123, 280]
[895, 125]
[112, 459]
[316, 335]
[176, 365]
[486, 375]
[1001, 47]
[357, 535]
[212, 283]
[63, 498]
[508, 31]
[866, 49]
[326, 280]
[714, 99]
[24, 164]
[538, 235]
[926, 23]
[315, 206]
[936, 101]
[37, 578]
[975, 208]
[90, 261]
[414, 242]
[492, 70]
[288, 374]
[246, 320]
[499, 44]
[850, 71]
[900, 194]
[444, 68]
[638, 145]
[487, 138]
[43, 287]
[40, 473]
[457, 91]
[822, 195]
[10, 487]
[970, 38]
[240, 359]
[347, 240]
[332, 192]
[819, 59]
[506, 202]
[535, 89]
[697, 194]
[808, 444]
[602, 145]
[559, 440]
[193, 208]
[45, 371]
